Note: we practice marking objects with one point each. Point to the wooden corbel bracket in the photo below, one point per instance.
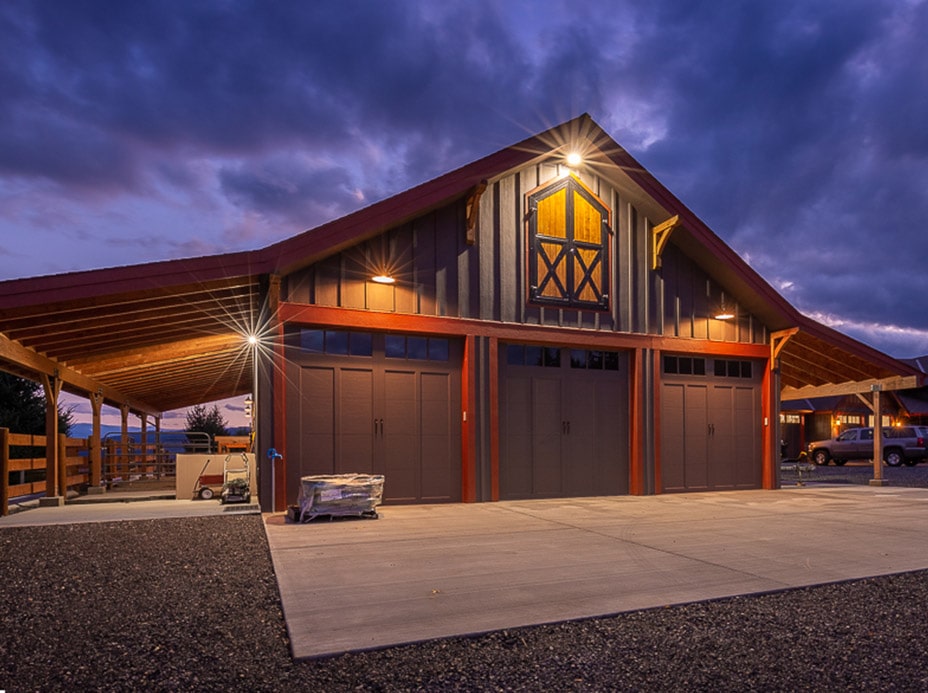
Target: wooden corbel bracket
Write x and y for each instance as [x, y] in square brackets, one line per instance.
[779, 339]
[472, 211]
[660, 234]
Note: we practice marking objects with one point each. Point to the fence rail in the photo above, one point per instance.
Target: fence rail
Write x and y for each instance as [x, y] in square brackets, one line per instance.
[23, 462]
[20, 463]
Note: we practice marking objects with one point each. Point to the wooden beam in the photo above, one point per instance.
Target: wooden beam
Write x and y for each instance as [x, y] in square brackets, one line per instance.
[39, 365]
[330, 316]
[907, 382]
[867, 402]
[660, 234]
[175, 352]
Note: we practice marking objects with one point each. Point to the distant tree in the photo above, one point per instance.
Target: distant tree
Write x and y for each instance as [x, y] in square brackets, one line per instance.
[203, 420]
[22, 407]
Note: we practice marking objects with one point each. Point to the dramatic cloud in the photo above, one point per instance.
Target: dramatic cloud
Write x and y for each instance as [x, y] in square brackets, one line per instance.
[134, 131]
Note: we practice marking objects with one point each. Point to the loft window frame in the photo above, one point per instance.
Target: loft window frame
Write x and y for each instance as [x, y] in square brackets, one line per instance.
[535, 258]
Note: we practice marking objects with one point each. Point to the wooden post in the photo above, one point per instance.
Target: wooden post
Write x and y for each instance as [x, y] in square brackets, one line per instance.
[96, 442]
[124, 444]
[493, 387]
[636, 400]
[4, 471]
[159, 456]
[143, 442]
[877, 479]
[770, 432]
[63, 465]
[52, 387]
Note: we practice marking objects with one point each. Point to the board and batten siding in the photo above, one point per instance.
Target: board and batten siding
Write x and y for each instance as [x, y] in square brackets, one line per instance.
[437, 273]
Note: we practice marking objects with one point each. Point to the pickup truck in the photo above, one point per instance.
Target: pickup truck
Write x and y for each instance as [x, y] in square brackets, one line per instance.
[901, 444]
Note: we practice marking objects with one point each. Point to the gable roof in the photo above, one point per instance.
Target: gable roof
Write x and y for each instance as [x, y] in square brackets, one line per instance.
[164, 335]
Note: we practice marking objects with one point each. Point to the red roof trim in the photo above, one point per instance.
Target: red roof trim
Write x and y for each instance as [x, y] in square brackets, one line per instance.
[154, 275]
[340, 233]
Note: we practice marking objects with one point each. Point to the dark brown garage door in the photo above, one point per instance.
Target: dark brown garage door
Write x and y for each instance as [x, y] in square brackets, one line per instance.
[376, 404]
[710, 424]
[563, 423]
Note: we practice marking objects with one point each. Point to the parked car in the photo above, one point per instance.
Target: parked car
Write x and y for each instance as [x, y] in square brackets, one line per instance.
[901, 444]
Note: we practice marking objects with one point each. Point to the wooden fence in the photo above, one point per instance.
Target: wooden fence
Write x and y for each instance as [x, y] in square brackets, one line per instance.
[23, 462]
[74, 465]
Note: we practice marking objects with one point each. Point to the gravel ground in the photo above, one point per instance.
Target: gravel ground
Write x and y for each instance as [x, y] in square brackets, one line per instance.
[127, 606]
[861, 473]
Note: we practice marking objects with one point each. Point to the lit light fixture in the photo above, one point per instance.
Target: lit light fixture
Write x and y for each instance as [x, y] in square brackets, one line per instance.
[383, 279]
[724, 312]
[252, 339]
[574, 159]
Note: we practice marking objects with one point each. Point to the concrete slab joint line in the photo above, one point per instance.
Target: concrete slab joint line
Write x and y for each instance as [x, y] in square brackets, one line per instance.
[423, 572]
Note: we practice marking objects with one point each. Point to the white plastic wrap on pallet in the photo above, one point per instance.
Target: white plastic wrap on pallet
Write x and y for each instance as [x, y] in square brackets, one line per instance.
[339, 494]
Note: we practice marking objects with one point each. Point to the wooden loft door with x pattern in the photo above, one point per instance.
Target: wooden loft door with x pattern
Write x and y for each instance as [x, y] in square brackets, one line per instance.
[569, 234]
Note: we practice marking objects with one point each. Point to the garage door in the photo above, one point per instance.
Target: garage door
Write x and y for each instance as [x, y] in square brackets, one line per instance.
[710, 424]
[563, 422]
[376, 404]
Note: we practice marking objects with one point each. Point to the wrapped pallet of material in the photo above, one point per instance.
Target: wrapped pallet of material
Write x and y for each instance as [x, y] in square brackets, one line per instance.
[340, 495]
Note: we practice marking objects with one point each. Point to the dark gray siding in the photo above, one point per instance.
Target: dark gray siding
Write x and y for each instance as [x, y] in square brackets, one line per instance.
[439, 274]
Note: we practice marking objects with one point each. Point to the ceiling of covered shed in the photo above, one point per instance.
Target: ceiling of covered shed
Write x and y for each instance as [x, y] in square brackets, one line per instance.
[808, 360]
[155, 338]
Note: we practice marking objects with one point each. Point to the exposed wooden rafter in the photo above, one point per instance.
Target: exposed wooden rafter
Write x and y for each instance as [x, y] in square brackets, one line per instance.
[22, 361]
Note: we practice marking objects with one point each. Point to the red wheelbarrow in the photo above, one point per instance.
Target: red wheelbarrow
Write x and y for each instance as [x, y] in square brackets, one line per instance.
[206, 484]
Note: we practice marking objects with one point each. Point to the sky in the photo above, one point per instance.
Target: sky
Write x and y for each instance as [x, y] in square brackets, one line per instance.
[158, 129]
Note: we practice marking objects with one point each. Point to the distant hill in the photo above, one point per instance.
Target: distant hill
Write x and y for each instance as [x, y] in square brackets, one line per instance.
[84, 430]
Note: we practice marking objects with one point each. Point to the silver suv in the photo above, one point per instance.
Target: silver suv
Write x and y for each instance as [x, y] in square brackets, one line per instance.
[901, 444]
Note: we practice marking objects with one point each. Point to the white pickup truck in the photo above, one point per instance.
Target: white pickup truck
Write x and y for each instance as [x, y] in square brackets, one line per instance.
[901, 444]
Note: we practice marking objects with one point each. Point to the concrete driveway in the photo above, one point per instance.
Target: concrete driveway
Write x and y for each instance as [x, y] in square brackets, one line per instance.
[422, 572]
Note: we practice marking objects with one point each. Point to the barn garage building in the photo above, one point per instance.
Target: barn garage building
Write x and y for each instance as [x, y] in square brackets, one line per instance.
[548, 321]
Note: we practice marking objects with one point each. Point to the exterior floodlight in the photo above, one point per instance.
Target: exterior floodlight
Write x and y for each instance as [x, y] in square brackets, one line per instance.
[574, 159]
[383, 279]
[252, 339]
